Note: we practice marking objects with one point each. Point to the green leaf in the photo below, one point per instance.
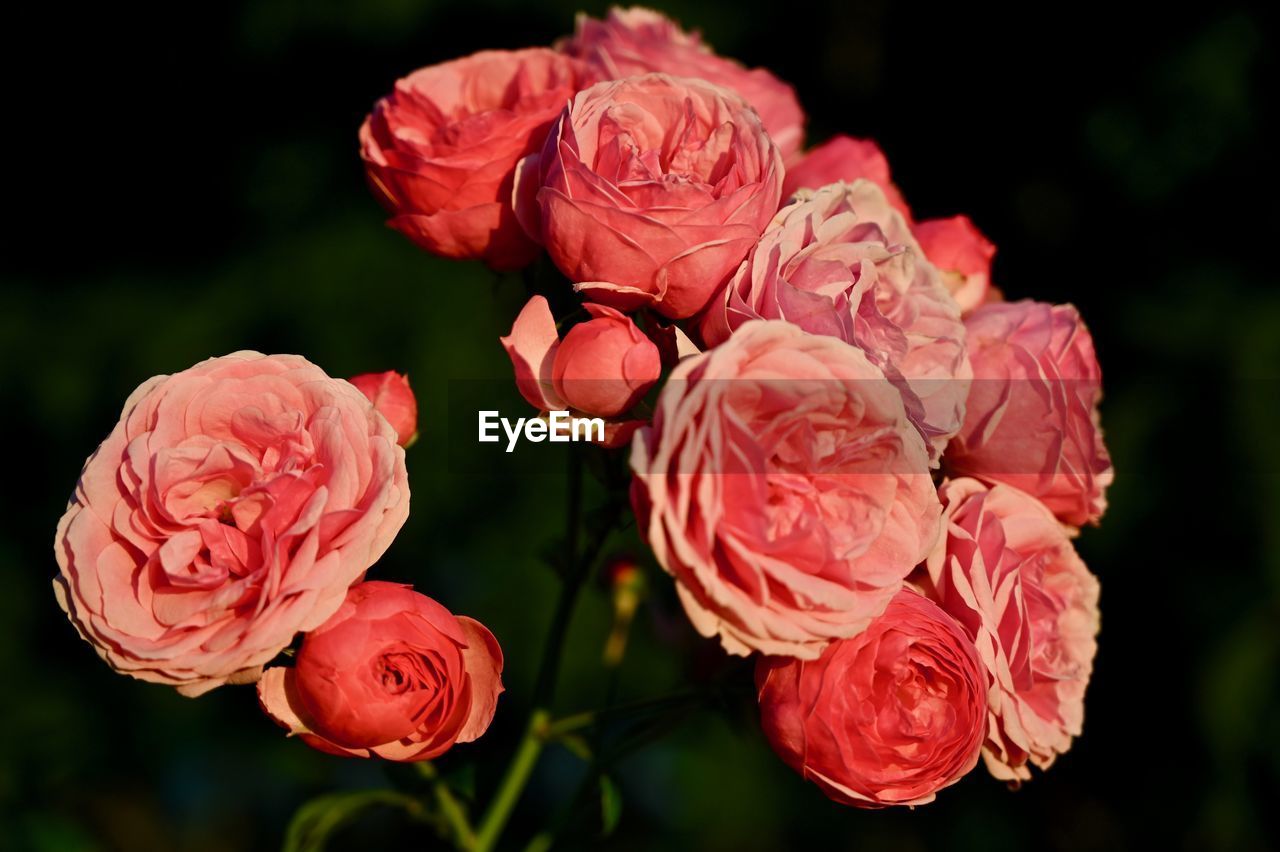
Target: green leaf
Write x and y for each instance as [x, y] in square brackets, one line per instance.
[610, 805]
[576, 745]
[315, 821]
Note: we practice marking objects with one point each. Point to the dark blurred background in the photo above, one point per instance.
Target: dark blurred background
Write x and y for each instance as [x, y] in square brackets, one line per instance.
[180, 187]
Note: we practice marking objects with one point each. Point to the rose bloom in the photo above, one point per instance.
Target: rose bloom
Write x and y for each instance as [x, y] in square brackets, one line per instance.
[650, 190]
[783, 487]
[229, 509]
[844, 158]
[842, 262]
[391, 674]
[963, 254]
[888, 717]
[636, 41]
[393, 399]
[1006, 570]
[440, 151]
[601, 368]
[1032, 413]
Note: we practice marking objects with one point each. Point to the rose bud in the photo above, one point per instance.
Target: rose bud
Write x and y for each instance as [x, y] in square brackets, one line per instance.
[888, 717]
[391, 674]
[1032, 414]
[963, 254]
[440, 151]
[784, 488]
[1006, 571]
[393, 399]
[841, 261]
[635, 41]
[604, 365]
[844, 158]
[229, 509]
[650, 190]
[601, 368]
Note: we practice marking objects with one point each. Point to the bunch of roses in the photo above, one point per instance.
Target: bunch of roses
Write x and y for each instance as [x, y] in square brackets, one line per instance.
[863, 465]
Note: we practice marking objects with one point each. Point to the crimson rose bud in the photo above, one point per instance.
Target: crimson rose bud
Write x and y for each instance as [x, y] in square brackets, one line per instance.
[393, 398]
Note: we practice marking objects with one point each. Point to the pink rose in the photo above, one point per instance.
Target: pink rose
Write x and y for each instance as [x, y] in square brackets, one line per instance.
[783, 487]
[229, 509]
[601, 368]
[441, 149]
[1032, 416]
[391, 674]
[1006, 570]
[844, 158]
[888, 717]
[963, 255]
[636, 41]
[650, 190]
[393, 398]
[842, 262]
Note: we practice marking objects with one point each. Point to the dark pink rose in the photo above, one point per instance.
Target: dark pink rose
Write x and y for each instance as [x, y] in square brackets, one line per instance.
[963, 255]
[635, 41]
[1006, 570]
[391, 674]
[1032, 412]
[393, 399]
[441, 149]
[887, 717]
[844, 158]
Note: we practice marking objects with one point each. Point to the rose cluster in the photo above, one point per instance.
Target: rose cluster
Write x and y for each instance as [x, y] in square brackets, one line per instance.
[237, 505]
[852, 456]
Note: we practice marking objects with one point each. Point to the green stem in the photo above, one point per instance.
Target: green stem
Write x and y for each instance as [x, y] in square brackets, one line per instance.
[453, 811]
[577, 721]
[526, 757]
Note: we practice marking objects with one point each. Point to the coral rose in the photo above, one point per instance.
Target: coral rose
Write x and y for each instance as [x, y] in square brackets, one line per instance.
[783, 487]
[888, 717]
[1032, 413]
[440, 151]
[845, 158]
[842, 262]
[650, 190]
[393, 398]
[391, 674]
[230, 508]
[636, 40]
[1005, 569]
[963, 254]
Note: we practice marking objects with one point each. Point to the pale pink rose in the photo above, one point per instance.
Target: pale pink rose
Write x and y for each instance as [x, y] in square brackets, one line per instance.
[440, 150]
[393, 398]
[963, 254]
[844, 158]
[650, 190]
[783, 487]
[391, 674]
[1006, 570]
[601, 368]
[1032, 413]
[636, 41]
[888, 717]
[229, 509]
[842, 262]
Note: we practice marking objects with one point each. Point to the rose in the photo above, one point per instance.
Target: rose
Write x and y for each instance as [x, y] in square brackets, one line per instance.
[650, 190]
[230, 508]
[842, 262]
[635, 41]
[783, 487]
[1006, 570]
[601, 368]
[888, 717]
[844, 158]
[1032, 412]
[440, 151]
[391, 674]
[393, 399]
[963, 255]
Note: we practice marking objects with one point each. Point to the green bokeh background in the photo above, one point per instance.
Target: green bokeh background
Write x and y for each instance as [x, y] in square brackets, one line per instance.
[185, 187]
